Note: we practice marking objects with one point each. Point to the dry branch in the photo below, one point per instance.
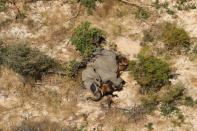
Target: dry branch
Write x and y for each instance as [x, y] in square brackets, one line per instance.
[138, 5]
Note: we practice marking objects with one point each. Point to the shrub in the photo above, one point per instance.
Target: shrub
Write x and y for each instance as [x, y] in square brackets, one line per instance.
[156, 4]
[188, 101]
[86, 39]
[89, 4]
[167, 109]
[150, 72]
[170, 12]
[149, 126]
[3, 5]
[26, 61]
[148, 37]
[149, 103]
[142, 14]
[175, 37]
[72, 68]
[194, 50]
[181, 1]
[172, 93]
[44, 125]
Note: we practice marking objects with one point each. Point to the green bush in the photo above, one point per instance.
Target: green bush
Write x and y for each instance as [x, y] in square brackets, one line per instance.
[150, 72]
[26, 61]
[167, 109]
[86, 38]
[172, 93]
[72, 68]
[142, 14]
[175, 37]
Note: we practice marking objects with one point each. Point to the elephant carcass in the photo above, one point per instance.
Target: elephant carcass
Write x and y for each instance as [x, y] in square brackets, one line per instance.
[106, 66]
[102, 70]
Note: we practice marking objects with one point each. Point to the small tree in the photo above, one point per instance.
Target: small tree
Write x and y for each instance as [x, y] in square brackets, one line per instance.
[26, 61]
[86, 39]
[150, 72]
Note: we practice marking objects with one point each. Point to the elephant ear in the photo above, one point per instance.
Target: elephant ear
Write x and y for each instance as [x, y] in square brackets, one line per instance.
[97, 96]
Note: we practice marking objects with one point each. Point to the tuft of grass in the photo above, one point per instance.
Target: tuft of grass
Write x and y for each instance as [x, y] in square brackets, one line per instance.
[89, 4]
[189, 101]
[72, 68]
[119, 129]
[167, 109]
[3, 5]
[149, 103]
[156, 4]
[142, 14]
[170, 12]
[149, 126]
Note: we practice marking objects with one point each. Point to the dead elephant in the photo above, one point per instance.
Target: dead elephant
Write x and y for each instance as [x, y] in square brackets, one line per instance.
[101, 75]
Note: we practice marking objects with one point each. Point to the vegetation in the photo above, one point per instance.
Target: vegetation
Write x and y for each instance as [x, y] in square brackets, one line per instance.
[158, 5]
[3, 5]
[168, 97]
[149, 103]
[142, 14]
[171, 93]
[184, 5]
[86, 38]
[89, 4]
[150, 72]
[175, 37]
[170, 12]
[45, 125]
[26, 61]
[168, 109]
[188, 101]
[149, 126]
[72, 68]
[119, 129]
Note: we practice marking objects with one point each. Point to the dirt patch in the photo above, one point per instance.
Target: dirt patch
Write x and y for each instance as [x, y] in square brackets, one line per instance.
[194, 82]
[128, 47]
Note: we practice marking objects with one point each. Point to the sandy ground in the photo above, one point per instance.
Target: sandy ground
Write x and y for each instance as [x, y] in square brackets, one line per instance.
[46, 28]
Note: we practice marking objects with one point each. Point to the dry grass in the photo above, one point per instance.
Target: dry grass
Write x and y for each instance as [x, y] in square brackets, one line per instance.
[194, 82]
[105, 9]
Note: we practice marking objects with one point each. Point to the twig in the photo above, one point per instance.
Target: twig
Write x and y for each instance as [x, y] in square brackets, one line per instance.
[133, 4]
